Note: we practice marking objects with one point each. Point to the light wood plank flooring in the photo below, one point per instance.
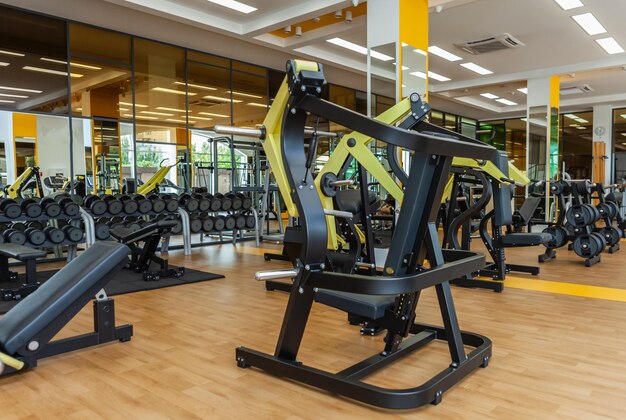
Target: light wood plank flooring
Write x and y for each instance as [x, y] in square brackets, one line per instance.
[555, 356]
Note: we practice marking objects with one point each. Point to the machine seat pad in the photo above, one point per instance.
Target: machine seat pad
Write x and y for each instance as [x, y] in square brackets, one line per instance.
[367, 306]
[524, 239]
[20, 252]
[75, 284]
[350, 201]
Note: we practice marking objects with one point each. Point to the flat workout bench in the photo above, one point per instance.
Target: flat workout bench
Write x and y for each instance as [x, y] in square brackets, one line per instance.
[22, 253]
[26, 330]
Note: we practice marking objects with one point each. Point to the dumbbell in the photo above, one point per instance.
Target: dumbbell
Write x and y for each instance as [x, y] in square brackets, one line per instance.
[204, 203]
[200, 190]
[50, 207]
[188, 202]
[115, 222]
[178, 228]
[129, 206]
[114, 206]
[195, 223]
[30, 207]
[240, 221]
[96, 205]
[250, 221]
[14, 236]
[35, 236]
[102, 231]
[10, 208]
[133, 226]
[219, 223]
[208, 223]
[72, 233]
[144, 205]
[21, 226]
[54, 235]
[216, 203]
[227, 203]
[231, 222]
[246, 201]
[158, 204]
[69, 207]
[171, 203]
[236, 201]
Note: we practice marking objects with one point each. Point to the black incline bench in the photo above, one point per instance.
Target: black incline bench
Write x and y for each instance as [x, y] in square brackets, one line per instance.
[26, 330]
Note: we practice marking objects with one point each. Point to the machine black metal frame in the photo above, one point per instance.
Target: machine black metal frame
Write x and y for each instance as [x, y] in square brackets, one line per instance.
[414, 241]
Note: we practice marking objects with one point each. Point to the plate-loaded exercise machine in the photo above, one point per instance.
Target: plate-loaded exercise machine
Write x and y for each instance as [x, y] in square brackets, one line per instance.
[415, 241]
[26, 330]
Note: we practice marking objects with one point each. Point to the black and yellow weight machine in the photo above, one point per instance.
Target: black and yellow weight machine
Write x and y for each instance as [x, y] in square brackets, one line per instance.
[27, 179]
[405, 272]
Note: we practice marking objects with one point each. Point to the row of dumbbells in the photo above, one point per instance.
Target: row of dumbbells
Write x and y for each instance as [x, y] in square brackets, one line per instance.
[205, 202]
[130, 204]
[51, 206]
[35, 233]
[204, 223]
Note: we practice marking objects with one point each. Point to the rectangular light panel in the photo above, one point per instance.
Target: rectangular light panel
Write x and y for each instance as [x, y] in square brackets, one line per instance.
[569, 4]
[489, 95]
[589, 23]
[610, 45]
[440, 52]
[235, 5]
[506, 102]
[358, 48]
[476, 68]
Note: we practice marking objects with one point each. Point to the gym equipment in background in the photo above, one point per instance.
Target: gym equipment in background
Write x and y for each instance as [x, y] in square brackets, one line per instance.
[30, 174]
[415, 236]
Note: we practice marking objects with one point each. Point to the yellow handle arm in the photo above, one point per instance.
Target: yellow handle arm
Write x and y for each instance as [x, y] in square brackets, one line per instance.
[11, 361]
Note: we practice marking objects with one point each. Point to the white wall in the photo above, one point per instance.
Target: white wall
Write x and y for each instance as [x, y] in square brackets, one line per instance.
[53, 145]
[6, 137]
[82, 138]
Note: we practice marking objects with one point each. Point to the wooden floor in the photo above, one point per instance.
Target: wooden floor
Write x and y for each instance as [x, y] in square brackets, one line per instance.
[555, 356]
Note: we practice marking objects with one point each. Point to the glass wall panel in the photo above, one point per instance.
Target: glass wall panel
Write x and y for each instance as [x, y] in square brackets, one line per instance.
[209, 100]
[160, 89]
[249, 98]
[619, 145]
[33, 63]
[105, 90]
[577, 144]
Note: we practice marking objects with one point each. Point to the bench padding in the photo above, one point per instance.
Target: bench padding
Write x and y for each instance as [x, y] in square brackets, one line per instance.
[20, 252]
[524, 239]
[367, 306]
[43, 313]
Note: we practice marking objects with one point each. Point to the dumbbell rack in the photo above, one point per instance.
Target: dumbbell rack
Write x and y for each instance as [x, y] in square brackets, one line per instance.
[184, 217]
[236, 234]
[72, 246]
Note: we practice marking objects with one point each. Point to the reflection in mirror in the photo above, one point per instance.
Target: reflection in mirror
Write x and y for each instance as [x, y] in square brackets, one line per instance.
[83, 159]
[538, 132]
[414, 62]
[106, 157]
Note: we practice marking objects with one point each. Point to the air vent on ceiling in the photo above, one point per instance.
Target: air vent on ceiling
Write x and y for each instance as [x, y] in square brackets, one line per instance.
[491, 44]
[575, 90]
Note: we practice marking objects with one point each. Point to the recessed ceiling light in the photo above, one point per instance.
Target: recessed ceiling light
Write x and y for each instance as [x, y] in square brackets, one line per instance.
[257, 104]
[247, 95]
[235, 5]
[2, 101]
[220, 99]
[580, 128]
[431, 75]
[129, 104]
[3, 64]
[569, 4]
[589, 23]
[162, 108]
[571, 116]
[49, 71]
[52, 60]
[176, 92]
[20, 89]
[178, 121]
[157, 113]
[476, 68]
[214, 115]
[195, 86]
[506, 102]
[359, 49]
[523, 90]
[610, 45]
[195, 117]
[420, 52]
[404, 68]
[440, 52]
[623, 134]
[85, 66]
[623, 116]
[581, 120]
[140, 117]
[489, 95]
[10, 95]
[5, 52]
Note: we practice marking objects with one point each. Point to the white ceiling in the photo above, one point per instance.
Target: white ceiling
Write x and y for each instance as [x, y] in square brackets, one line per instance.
[555, 44]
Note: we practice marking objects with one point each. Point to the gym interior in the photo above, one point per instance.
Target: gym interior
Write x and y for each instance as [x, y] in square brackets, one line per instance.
[312, 209]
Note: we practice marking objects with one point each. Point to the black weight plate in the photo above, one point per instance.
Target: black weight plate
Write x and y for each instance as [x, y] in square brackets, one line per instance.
[75, 235]
[171, 205]
[208, 224]
[52, 209]
[178, 228]
[145, 206]
[36, 237]
[102, 231]
[158, 205]
[227, 203]
[250, 222]
[71, 209]
[230, 223]
[99, 207]
[219, 224]
[17, 238]
[562, 237]
[195, 225]
[216, 204]
[115, 206]
[204, 204]
[246, 203]
[12, 211]
[236, 203]
[240, 222]
[56, 236]
[33, 210]
[130, 206]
